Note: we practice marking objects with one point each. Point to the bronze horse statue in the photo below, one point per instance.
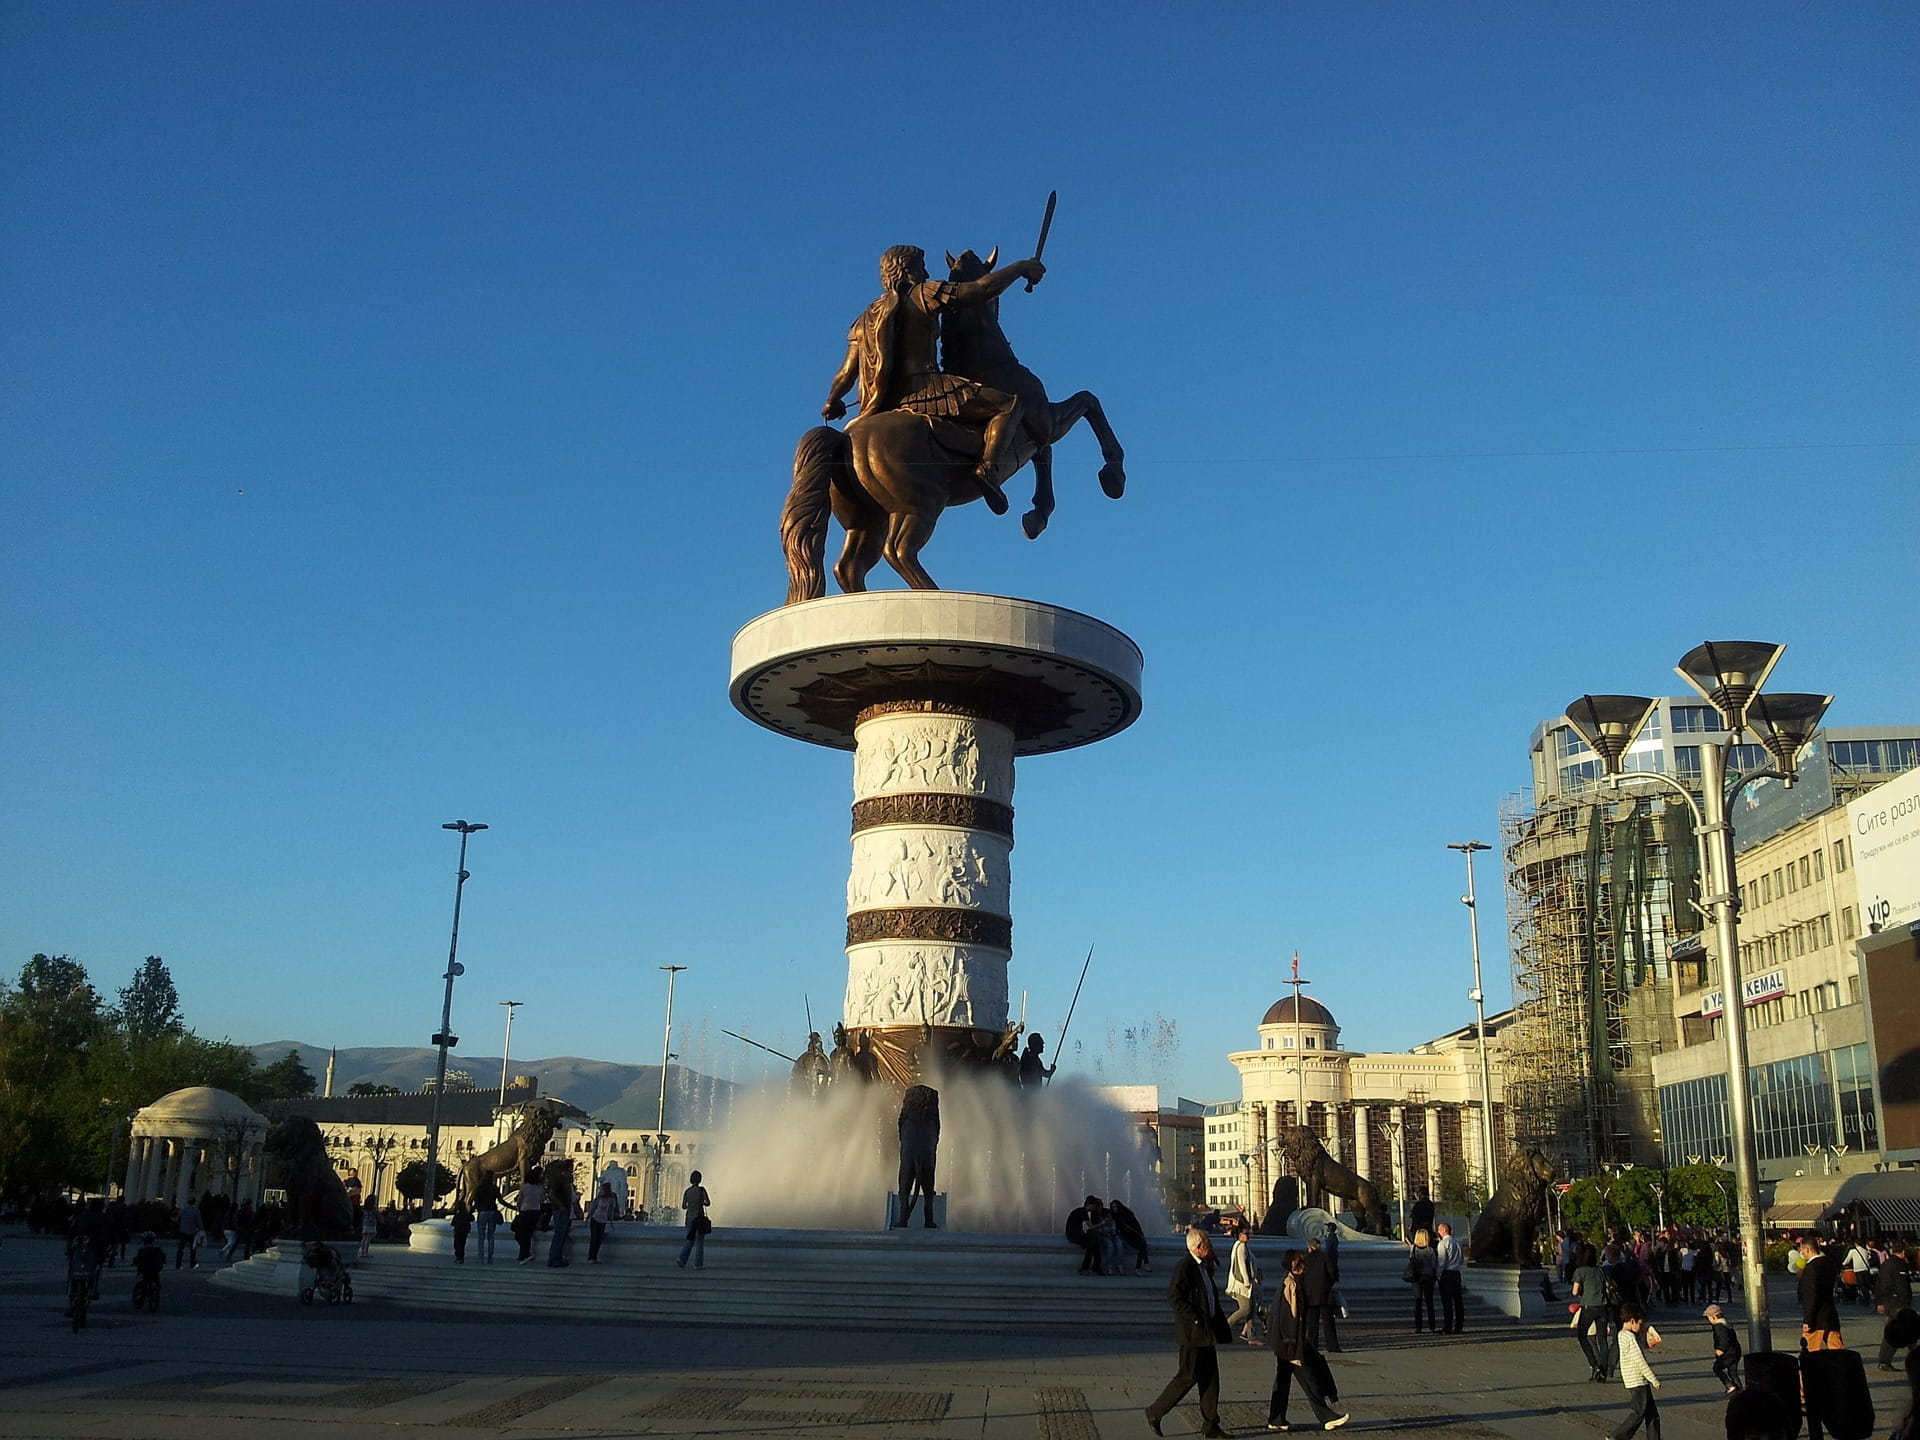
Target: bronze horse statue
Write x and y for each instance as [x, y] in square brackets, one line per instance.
[973, 344]
[889, 475]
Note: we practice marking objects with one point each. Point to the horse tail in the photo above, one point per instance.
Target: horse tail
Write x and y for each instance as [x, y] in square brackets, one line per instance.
[819, 461]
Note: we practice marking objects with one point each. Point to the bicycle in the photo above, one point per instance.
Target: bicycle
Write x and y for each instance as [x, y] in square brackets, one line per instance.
[146, 1293]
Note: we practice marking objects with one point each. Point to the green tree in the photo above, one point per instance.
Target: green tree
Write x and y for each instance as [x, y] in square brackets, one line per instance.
[1456, 1191]
[288, 1079]
[411, 1182]
[49, 1020]
[150, 1005]
[367, 1087]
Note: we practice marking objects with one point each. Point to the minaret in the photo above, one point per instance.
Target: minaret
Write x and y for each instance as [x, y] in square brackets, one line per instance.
[333, 1057]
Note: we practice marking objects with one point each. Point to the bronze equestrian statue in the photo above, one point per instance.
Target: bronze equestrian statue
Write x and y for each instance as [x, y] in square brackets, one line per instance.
[919, 1143]
[1504, 1233]
[1319, 1171]
[519, 1155]
[972, 343]
[927, 437]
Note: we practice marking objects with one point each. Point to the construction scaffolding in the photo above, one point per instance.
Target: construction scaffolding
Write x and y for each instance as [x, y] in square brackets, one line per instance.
[1590, 880]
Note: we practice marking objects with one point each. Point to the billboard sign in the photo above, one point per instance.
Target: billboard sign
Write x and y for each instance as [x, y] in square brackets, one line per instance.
[1767, 807]
[1890, 984]
[1757, 990]
[1885, 825]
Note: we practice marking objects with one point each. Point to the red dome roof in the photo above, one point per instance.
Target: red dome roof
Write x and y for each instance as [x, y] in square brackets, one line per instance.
[1312, 1012]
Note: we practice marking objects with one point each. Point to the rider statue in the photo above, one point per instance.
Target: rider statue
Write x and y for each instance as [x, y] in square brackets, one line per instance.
[891, 353]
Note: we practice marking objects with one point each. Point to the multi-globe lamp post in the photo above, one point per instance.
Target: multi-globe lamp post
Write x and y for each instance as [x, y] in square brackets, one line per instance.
[1728, 675]
[444, 1040]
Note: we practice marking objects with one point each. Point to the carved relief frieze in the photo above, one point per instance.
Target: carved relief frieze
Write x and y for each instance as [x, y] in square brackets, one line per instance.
[899, 866]
[915, 751]
[894, 984]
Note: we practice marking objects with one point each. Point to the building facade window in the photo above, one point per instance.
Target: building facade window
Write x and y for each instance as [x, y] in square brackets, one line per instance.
[1840, 856]
[1696, 720]
[1694, 1118]
[1792, 1107]
[1853, 1077]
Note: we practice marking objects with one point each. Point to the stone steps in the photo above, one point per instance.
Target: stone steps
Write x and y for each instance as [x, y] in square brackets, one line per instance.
[878, 1279]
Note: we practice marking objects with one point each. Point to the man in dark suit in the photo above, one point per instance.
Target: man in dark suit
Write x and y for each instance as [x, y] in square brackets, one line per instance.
[1200, 1323]
[1819, 1317]
[1322, 1274]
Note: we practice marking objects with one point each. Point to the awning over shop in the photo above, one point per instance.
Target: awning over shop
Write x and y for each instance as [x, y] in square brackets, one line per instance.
[1800, 1200]
[1891, 1200]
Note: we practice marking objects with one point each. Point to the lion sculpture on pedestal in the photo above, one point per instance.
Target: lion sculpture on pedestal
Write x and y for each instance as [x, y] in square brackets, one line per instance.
[1319, 1171]
[1503, 1235]
[317, 1203]
[520, 1154]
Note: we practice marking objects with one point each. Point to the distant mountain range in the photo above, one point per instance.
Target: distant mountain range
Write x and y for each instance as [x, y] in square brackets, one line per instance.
[628, 1095]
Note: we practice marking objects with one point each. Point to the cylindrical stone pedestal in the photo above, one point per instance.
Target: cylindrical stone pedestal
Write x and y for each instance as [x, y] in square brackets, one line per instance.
[936, 693]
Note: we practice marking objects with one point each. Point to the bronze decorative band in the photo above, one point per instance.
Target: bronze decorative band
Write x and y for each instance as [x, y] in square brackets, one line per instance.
[980, 710]
[930, 922]
[969, 812]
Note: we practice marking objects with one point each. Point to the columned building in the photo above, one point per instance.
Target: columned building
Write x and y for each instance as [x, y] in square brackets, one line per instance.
[194, 1142]
[1406, 1120]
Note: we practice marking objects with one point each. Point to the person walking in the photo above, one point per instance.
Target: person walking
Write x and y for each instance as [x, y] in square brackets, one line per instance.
[1819, 1317]
[1294, 1354]
[526, 1214]
[369, 1228]
[598, 1218]
[461, 1223]
[1422, 1272]
[1449, 1257]
[1199, 1324]
[1243, 1285]
[1590, 1320]
[566, 1210]
[1323, 1273]
[189, 1247]
[486, 1215]
[1892, 1295]
[1636, 1374]
[1726, 1350]
[695, 1202]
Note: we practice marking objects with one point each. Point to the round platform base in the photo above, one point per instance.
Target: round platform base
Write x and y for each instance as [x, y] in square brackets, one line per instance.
[1054, 677]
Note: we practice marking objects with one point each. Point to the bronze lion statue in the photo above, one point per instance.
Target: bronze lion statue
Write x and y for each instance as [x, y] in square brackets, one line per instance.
[1503, 1235]
[1320, 1171]
[317, 1203]
[520, 1154]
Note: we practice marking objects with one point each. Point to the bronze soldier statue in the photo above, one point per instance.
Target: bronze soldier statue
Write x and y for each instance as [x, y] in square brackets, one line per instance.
[892, 354]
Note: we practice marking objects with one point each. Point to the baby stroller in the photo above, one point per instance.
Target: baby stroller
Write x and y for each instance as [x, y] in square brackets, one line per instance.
[331, 1282]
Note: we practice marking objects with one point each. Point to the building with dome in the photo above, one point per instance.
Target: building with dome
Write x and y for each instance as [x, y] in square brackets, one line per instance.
[1404, 1119]
[196, 1141]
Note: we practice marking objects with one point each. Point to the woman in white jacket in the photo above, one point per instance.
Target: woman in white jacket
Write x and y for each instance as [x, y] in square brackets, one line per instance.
[1243, 1286]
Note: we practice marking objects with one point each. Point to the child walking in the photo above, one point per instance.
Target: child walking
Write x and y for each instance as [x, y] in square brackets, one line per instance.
[1636, 1374]
[1726, 1350]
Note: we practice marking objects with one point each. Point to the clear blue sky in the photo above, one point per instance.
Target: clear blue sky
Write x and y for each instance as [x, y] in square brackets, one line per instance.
[400, 398]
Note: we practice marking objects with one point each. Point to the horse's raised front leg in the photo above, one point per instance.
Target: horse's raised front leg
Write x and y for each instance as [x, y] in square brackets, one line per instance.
[1086, 405]
[857, 557]
[1035, 520]
[907, 532]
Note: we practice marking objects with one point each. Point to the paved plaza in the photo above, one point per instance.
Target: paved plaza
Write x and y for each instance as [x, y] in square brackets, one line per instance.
[215, 1365]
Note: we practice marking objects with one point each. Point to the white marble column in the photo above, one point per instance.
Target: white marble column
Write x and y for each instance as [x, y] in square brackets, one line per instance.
[1433, 1151]
[1362, 1162]
[189, 1162]
[169, 1168]
[929, 919]
[129, 1187]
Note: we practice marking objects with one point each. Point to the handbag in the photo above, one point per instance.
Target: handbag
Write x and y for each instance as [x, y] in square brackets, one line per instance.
[704, 1225]
[1406, 1275]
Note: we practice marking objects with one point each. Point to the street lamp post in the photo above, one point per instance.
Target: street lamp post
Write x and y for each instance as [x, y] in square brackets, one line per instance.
[1491, 1172]
[1391, 1129]
[1728, 676]
[666, 1058]
[506, 1048]
[445, 1040]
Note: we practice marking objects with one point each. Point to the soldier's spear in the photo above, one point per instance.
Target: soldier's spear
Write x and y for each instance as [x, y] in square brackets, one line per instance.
[1061, 1039]
[1046, 224]
[758, 1046]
